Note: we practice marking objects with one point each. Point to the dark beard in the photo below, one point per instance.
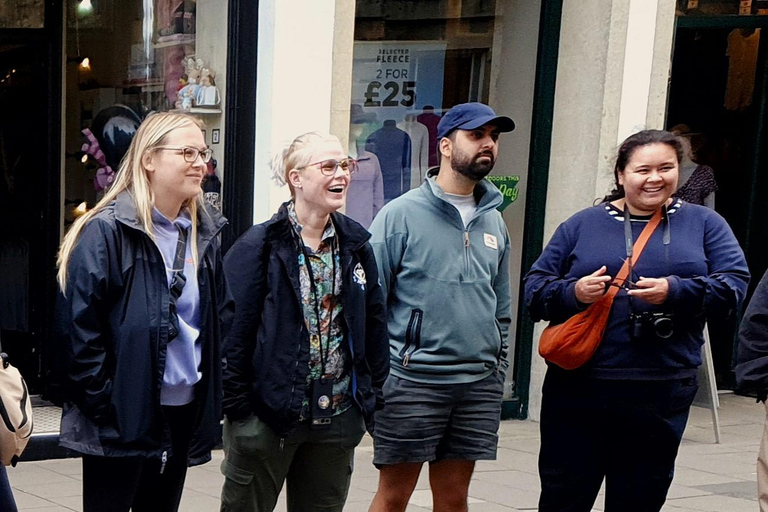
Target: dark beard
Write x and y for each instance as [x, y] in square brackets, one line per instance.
[469, 167]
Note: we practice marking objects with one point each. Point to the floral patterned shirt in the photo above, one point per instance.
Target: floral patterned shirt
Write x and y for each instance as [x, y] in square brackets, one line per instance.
[326, 265]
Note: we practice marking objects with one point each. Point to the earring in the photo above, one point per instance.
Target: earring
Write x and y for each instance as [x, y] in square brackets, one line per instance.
[297, 186]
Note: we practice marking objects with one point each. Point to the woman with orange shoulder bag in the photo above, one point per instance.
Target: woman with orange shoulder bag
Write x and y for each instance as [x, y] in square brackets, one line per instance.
[619, 413]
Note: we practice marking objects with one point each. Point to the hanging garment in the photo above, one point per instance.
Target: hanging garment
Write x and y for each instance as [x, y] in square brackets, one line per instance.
[419, 135]
[742, 66]
[365, 195]
[393, 147]
[430, 120]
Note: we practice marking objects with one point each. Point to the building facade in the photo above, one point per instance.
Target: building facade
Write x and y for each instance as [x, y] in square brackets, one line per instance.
[576, 76]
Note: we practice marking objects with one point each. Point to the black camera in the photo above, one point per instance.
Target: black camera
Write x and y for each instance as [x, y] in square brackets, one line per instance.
[650, 324]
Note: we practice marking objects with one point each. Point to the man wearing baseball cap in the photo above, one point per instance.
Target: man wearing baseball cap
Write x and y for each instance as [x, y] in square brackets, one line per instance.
[443, 256]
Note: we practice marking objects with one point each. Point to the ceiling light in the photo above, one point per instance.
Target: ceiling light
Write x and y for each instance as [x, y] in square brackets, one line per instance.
[85, 7]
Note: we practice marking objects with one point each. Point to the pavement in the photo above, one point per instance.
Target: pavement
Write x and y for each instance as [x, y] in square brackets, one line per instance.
[708, 476]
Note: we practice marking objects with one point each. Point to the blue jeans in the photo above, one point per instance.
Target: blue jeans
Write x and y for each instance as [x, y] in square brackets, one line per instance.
[7, 503]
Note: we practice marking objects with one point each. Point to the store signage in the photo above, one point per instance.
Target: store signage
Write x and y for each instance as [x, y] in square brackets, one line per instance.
[394, 78]
[507, 185]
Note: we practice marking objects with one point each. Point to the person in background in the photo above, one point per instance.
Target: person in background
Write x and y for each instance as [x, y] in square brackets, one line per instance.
[621, 416]
[143, 308]
[7, 503]
[307, 356]
[697, 183]
[752, 372]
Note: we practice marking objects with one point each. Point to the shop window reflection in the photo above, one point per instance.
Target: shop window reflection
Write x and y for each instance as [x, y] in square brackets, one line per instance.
[143, 56]
[412, 62]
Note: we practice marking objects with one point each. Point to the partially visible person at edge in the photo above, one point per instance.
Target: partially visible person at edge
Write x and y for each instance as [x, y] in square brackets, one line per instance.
[621, 416]
[443, 256]
[307, 356]
[7, 503]
[752, 372]
[142, 312]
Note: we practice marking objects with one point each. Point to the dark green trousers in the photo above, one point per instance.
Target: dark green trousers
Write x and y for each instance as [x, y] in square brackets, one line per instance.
[316, 464]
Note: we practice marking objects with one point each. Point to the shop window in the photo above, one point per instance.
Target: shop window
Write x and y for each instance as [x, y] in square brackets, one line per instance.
[22, 14]
[722, 7]
[412, 62]
[125, 60]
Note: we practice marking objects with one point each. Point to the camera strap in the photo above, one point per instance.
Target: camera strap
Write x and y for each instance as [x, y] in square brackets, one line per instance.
[634, 248]
[177, 283]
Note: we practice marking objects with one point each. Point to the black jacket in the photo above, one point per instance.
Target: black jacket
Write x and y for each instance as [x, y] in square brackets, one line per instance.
[113, 329]
[267, 351]
[752, 360]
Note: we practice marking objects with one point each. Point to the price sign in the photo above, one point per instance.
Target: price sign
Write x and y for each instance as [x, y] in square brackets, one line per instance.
[396, 94]
[394, 78]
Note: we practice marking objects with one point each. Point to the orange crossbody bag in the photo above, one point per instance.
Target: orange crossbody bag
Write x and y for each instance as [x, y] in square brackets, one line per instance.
[572, 343]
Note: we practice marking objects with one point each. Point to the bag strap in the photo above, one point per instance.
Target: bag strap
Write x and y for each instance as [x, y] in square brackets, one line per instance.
[637, 249]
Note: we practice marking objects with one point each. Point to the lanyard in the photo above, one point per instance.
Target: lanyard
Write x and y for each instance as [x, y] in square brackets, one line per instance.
[313, 289]
[629, 242]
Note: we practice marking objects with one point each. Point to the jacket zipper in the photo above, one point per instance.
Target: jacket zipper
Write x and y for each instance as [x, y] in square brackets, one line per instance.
[412, 336]
[163, 461]
[466, 253]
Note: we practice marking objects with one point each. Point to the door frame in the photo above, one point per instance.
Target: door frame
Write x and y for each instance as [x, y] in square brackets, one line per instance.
[752, 229]
[43, 287]
[240, 143]
[550, 22]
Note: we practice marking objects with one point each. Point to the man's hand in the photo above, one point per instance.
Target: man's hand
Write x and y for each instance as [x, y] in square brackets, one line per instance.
[651, 290]
[592, 287]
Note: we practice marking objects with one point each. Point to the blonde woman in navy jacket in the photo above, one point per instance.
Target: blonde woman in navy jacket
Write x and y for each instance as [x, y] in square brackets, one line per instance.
[308, 353]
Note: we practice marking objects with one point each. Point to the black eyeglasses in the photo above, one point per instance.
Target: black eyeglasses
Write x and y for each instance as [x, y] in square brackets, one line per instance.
[190, 153]
[328, 167]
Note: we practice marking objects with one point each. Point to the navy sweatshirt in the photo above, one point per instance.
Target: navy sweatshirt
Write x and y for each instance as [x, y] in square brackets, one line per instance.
[703, 262]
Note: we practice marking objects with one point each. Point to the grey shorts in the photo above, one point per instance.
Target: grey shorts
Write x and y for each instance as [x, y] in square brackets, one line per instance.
[429, 422]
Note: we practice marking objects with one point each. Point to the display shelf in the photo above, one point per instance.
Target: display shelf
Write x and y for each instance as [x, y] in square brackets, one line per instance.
[175, 40]
[197, 110]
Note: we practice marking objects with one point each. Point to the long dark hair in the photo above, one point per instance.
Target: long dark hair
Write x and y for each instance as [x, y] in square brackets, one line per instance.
[629, 146]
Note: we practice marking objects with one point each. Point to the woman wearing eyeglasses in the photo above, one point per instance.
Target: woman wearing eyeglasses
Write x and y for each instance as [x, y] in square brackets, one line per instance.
[308, 353]
[141, 315]
[621, 416]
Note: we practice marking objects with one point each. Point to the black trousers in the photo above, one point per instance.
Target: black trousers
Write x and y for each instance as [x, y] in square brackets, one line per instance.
[627, 432]
[119, 484]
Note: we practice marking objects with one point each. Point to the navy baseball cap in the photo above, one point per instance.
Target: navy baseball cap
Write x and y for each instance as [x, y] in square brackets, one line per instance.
[468, 116]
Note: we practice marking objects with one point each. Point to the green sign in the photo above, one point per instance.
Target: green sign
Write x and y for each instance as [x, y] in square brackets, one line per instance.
[507, 185]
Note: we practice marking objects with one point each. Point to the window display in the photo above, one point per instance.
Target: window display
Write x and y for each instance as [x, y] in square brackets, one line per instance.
[722, 7]
[126, 60]
[412, 62]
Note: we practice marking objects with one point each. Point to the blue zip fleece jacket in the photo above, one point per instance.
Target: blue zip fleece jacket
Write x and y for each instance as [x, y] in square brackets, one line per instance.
[703, 263]
[447, 286]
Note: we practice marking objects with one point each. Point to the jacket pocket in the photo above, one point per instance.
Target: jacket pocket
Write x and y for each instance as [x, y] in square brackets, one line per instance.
[501, 340]
[412, 336]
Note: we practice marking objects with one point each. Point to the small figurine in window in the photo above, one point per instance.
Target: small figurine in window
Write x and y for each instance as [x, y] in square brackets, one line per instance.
[188, 93]
[207, 93]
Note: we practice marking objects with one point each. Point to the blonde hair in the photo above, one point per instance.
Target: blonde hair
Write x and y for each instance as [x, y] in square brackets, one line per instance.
[295, 154]
[132, 177]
